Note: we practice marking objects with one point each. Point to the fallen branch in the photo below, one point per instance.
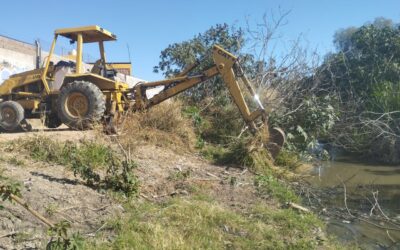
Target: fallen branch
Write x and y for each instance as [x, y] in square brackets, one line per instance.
[298, 207]
[89, 208]
[376, 205]
[375, 195]
[345, 196]
[390, 237]
[377, 225]
[33, 212]
[98, 230]
[8, 234]
[213, 175]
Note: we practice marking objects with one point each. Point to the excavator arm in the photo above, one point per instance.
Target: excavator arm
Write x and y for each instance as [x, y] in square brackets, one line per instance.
[225, 64]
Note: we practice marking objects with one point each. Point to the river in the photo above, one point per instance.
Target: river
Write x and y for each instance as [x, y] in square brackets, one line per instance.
[369, 230]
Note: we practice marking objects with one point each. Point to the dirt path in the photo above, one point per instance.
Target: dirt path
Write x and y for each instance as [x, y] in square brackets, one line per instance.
[62, 133]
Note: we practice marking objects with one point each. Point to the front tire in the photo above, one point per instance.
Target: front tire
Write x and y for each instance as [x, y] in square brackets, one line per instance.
[80, 105]
[11, 115]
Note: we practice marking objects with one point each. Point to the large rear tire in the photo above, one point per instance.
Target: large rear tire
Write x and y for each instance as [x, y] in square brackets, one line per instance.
[80, 105]
[11, 115]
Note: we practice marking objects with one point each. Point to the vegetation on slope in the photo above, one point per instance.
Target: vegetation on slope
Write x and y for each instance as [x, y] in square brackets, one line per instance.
[182, 223]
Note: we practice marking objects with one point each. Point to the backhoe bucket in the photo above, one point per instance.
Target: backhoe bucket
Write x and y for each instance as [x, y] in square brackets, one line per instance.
[272, 139]
[275, 142]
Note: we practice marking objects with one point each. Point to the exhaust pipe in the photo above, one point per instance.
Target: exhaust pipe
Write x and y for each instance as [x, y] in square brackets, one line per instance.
[38, 53]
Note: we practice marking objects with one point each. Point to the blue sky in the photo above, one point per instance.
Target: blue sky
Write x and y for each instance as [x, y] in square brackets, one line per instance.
[150, 26]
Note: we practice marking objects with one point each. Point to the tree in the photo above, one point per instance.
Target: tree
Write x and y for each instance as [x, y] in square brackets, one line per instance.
[365, 71]
[176, 57]
[367, 57]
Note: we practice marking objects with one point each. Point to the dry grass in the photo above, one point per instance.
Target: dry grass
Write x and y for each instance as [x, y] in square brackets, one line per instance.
[198, 224]
[162, 125]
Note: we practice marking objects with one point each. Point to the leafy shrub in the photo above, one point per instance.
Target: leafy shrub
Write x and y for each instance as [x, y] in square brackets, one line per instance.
[366, 75]
[84, 159]
[312, 120]
[122, 178]
[60, 240]
[247, 151]
[222, 123]
[8, 187]
[287, 159]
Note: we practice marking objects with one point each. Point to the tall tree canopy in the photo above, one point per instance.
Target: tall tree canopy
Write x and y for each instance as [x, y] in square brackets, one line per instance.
[177, 56]
[367, 63]
[365, 71]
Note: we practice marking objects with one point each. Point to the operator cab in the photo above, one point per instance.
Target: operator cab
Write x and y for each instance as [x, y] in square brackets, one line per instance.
[90, 34]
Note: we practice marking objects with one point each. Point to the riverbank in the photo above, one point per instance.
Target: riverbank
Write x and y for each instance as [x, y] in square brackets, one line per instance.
[183, 200]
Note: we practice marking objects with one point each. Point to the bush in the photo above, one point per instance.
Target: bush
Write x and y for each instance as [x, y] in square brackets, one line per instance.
[287, 159]
[163, 124]
[247, 151]
[222, 123]
[311, 120]
[365, 74]
[84, 159]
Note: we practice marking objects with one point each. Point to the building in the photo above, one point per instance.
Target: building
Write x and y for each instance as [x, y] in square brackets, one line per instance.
[16, 56]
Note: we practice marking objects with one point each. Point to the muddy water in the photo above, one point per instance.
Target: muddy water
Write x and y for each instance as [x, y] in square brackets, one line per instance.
[360, 180]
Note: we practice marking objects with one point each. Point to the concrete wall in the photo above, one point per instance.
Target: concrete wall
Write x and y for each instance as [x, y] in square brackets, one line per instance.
[15, 57]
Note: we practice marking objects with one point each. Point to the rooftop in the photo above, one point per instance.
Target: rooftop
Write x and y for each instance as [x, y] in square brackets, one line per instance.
[90, 34]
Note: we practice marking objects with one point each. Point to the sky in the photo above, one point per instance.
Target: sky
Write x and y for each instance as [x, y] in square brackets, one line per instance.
[148, 27]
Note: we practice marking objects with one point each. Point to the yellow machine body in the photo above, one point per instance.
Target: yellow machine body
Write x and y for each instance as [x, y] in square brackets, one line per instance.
[33, 90]
[32, 87]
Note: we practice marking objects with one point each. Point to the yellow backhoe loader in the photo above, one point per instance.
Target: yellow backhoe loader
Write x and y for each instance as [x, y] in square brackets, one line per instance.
[64, 92]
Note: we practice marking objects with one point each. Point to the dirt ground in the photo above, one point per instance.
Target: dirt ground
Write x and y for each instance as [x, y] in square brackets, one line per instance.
[51, 190]
[62, 133]
[164, 173]
[56, 193]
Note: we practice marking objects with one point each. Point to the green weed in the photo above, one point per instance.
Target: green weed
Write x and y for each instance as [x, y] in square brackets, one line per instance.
[187, 224]
[270, 185]
[51, 209]
[61, 240]
[85, 159]
[287, 159]
[180, 175]
[245, 152]
[15, 161]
